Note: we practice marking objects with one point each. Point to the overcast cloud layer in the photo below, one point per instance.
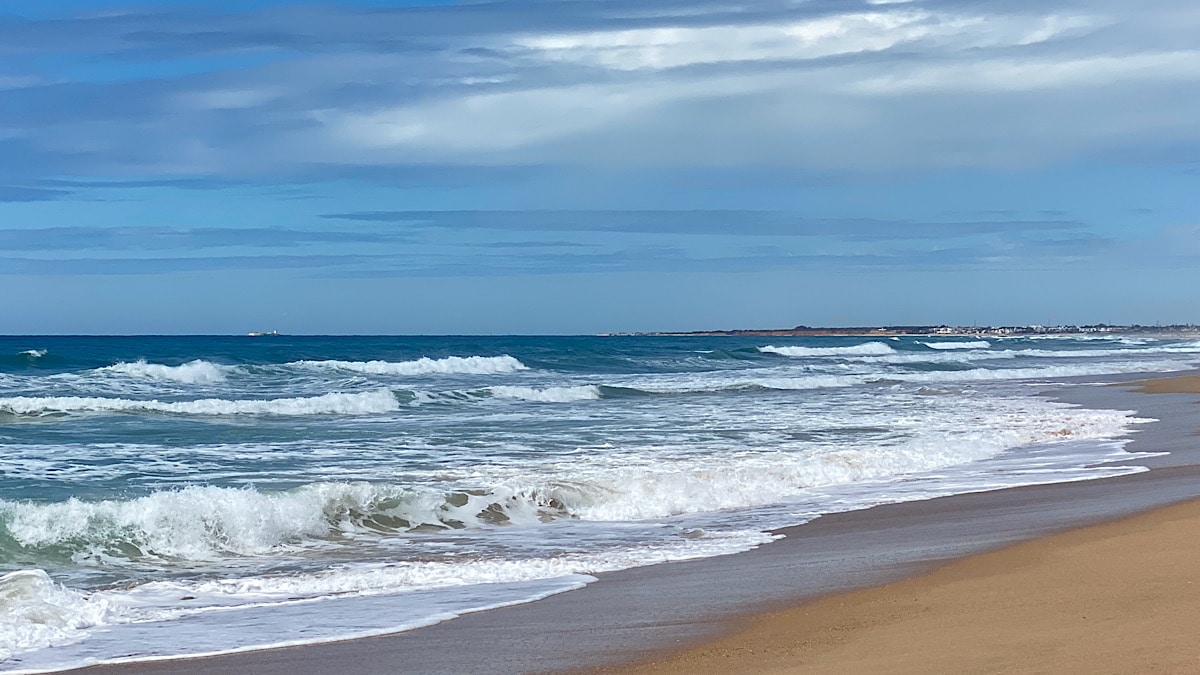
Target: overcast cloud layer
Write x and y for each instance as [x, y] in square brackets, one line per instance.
[366, 145]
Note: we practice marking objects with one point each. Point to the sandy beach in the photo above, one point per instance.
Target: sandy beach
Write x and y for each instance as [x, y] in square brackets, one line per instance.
[1120, 597]
[1092, 576]
[1184, 384]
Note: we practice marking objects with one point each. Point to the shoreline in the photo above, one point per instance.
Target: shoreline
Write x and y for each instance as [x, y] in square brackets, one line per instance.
[635, 614]
[1118, 597]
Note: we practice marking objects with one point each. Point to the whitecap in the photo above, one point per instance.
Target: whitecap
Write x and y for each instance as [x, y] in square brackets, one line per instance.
[974, 344]
[192, 372]
[865, 349]
[548, 394]
[378, 401]
[36, 613]
[450, 365]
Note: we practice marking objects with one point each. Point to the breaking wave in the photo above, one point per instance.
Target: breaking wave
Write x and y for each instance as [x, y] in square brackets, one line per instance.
[450, 365]
[548, 394]
[976, 344]
[206, 522]
[36, 613]
[865, 349]
[34, 353]
[200, 524]
[192, 372]
[378, 401]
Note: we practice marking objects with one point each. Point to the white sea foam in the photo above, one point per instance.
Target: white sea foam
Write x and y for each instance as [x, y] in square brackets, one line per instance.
[450, 365]
[421, 575]
[36, 613]
[854, 376]
[974, 344]
[548, 394]
[34, 353]
[378, 401]
[39, 613]
[192, 372]
[207, 523]
[865, 349]
[1036, 373]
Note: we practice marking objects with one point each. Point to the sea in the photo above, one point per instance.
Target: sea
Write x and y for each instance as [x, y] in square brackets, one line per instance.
[178, 496]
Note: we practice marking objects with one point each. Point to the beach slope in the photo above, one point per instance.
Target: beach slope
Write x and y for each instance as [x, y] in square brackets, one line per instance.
[1121, 597]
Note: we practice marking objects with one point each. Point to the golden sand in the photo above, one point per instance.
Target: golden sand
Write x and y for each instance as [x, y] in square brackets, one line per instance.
[1186, 384]
[1122, 597]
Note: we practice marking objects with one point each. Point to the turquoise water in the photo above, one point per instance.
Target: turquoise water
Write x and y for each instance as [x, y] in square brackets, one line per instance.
[214, 492]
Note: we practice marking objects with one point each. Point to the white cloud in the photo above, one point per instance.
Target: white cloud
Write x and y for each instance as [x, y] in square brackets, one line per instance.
[793, 85]
[853, 33]
[227, 98]
[1041, 72]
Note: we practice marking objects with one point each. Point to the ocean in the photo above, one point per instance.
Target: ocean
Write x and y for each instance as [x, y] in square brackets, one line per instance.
[168, 496]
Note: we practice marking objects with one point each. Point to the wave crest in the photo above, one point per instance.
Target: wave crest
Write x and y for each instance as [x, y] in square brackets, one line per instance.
[36, 613]
[589, 392]
[450, 365]
[974, 344]
[207, 523]
[192, 372]
[378, 401]
[865, 349]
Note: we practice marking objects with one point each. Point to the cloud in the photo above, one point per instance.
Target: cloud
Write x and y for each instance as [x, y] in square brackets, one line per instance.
[288, 92]
[83, 266]
[705, 222]
[70, 238]
[15, 193]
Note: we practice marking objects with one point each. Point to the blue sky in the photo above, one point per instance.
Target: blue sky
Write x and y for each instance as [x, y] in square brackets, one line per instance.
[587, 166]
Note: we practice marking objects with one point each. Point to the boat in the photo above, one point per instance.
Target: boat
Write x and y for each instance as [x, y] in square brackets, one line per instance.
[258, 333]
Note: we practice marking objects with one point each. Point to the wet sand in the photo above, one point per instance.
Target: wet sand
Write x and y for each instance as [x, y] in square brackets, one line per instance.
[639, 614]
[1121, 597]
[1184, 384]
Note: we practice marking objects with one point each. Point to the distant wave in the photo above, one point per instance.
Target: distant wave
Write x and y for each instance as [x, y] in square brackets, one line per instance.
[865, 349]
[450, 365]
[378, 401]
[192, 372]
[978, 344]
[548, 394]
[34, 353]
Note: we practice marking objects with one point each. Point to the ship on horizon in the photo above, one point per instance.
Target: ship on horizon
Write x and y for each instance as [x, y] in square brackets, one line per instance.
[259, 333]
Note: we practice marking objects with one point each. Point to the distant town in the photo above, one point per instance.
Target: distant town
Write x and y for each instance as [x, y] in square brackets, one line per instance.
[1174, 330]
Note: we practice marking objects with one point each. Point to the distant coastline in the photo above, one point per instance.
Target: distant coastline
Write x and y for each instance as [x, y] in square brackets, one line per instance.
[1174, 331]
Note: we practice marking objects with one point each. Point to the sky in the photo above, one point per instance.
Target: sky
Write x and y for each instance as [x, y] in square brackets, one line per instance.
[582, 166]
